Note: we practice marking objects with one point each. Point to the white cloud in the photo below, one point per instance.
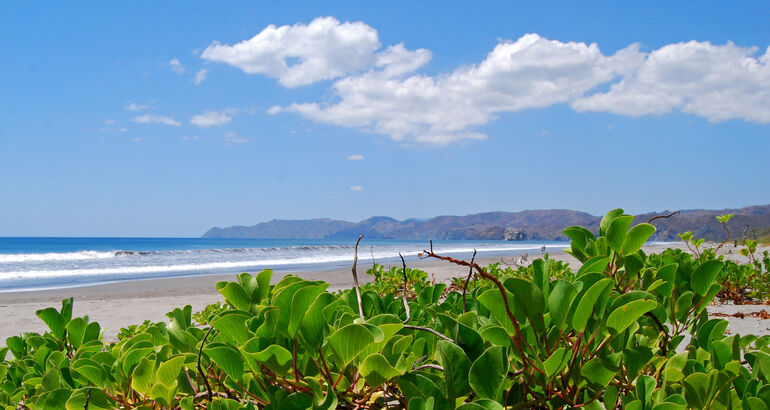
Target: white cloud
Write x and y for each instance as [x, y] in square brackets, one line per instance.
[137, 107]
[193, 138]
[232, 138]
[109, 122]
[212, 118]
[531, 72]
[716, 82]
[176, 66]
[123, 129]
[137, 139]
[303, 53]
[356, 188]
[382, 91]
[200, 76]
[356, 157]
[159, 119]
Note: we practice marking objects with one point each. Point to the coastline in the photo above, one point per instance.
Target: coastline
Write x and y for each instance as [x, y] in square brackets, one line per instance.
[120, 304]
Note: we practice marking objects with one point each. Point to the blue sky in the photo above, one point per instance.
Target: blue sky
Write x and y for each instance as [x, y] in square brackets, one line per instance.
[167, 118]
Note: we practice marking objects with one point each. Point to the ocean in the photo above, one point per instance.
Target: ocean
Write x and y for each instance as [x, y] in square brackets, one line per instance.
[28, 264]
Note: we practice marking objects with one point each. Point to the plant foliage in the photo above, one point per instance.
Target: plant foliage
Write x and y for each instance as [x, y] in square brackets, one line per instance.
[611, 334]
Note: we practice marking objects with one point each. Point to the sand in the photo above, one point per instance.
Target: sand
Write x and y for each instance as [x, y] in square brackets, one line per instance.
[121, 304]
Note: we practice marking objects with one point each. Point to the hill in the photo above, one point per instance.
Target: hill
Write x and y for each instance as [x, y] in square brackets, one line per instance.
[525, 225]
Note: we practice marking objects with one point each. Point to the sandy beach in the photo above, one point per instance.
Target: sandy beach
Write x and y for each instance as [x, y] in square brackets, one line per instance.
[121, 304]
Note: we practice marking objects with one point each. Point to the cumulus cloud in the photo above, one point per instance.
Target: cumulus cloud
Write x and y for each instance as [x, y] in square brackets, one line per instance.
[382, 91]
[176, 66]
[211, 118]
[356, 188]
[355, 157]
[716, 82]
[158, 119]
[200, 76]
[303, 53]
[531, 72]
[137, 107]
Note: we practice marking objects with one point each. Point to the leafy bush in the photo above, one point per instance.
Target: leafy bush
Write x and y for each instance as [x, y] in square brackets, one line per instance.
[611, 334]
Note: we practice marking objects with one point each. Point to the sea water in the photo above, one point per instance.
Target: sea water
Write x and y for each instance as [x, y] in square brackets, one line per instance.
[50, 263]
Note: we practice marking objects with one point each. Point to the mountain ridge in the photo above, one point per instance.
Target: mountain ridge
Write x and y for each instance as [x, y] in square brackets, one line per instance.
[538, 224]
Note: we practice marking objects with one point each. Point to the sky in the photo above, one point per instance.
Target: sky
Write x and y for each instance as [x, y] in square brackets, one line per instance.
[168, 118]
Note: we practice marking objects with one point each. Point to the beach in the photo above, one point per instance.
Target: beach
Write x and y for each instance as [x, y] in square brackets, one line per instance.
[120, 304]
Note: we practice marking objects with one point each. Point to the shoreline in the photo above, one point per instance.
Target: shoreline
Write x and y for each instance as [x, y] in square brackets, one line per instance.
[120, 304]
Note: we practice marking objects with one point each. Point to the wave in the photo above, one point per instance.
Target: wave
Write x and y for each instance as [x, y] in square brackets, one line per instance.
[106, 272]
[92, 254]
[68, 256]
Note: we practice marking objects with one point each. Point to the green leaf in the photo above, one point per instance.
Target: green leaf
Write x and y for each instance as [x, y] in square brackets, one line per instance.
[683, 306]
[645, 385]
[531, 297]
[594, 265]
[313, 325]
[227, 358]
[560, 301]
[376, 370]
[488, 373]
[274, 357]
[616, 233]
[350, 340]
[556, 362]
[263, 281]
[636, 237]
[607, 220]
[673, 372]
[585, 307]
[89, 370]
[330, 401]
[76, 329]
[235, 295]
[169, 370]
[231, 325]
[54, 320]
[300, 303]
[143, 376]
[599, 371]
[629, 313]
[704, 275]
[96, 398]
[482, 404]
[700, 388]
[579, 236]
[456, 366]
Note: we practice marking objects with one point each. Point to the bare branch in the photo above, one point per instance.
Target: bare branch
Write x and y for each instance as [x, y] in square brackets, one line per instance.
[403, 295]
[427, 329]
[518, 339]
[649, 221]
[430, 366]
[355, 279]
[465, 287]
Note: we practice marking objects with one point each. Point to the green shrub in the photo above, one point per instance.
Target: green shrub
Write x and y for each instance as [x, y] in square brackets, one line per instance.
[610, 334]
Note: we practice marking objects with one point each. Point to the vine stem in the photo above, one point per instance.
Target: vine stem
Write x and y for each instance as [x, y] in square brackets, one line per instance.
[355, 279]
[200, 370]
[403, 296]
[465, 287]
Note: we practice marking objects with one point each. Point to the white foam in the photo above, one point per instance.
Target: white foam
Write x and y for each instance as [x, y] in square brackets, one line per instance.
[121, 269]
[41, 257]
